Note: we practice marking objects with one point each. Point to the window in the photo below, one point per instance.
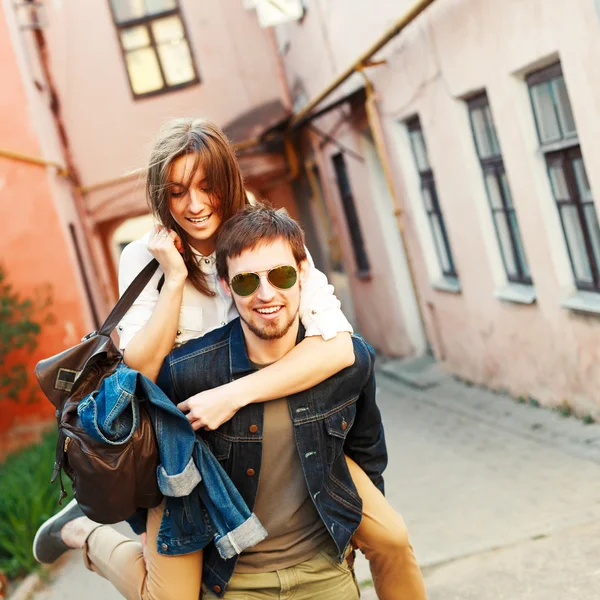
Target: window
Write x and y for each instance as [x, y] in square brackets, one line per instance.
[432, 205]
[358, 246]
[560, 145]
[498, 191]
[154, 45]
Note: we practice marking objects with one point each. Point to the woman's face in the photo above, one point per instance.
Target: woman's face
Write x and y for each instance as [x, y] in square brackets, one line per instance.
[193, 205]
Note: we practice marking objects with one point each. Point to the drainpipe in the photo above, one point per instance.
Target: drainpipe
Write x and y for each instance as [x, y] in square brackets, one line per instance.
[70, 168]
[408, 17]
[376, 127]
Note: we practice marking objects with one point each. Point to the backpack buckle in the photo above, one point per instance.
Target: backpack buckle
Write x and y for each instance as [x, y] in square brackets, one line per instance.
[91, 334]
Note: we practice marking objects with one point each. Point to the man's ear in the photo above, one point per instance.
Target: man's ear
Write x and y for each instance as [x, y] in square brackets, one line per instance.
[303, 270]
[225, 286]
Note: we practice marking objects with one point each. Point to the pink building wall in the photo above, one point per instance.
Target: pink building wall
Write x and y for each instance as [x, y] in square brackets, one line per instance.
[458, 47]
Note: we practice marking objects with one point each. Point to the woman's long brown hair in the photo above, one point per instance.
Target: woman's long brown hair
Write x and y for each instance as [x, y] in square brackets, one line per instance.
[213, 152]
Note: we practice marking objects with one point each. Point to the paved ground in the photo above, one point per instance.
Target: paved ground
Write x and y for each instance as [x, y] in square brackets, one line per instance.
[502, 500]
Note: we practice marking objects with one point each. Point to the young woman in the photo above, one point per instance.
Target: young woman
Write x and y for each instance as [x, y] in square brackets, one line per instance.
[193, 185]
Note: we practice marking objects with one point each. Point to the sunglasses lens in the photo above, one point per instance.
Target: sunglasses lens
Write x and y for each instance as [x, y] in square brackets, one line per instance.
[245, 284]
[283, 277]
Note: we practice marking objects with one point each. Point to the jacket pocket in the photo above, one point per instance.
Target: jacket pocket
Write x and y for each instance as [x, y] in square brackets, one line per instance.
[337, 427]
[219, 446]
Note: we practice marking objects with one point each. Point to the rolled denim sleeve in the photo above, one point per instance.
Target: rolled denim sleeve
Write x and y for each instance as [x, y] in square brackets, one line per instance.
[320, 310]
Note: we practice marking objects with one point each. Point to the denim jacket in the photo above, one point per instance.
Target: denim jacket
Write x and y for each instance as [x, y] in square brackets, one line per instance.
[335, 417]
[202, 504]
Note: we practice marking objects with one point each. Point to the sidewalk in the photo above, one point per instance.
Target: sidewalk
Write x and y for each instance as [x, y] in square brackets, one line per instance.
[502, 500]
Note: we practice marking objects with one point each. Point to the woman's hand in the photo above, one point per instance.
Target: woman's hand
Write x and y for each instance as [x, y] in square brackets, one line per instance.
[210, 409]
[166, 246]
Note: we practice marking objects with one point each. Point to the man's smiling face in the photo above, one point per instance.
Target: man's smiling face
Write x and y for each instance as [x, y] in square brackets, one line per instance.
[269, 312]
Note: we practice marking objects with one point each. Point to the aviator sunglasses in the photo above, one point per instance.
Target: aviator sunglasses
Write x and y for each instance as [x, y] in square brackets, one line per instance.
[283, 278]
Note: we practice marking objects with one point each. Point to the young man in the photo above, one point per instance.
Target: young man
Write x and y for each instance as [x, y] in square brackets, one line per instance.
[291, 459]
[286, 457]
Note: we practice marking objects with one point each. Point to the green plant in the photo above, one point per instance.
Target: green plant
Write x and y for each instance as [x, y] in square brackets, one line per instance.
[26, 501]
[19, 330]
[588, 419]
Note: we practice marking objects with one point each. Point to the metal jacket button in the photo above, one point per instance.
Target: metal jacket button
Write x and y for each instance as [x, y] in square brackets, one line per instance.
[253, 428]
[164, 547]
[344, 425]
[217, 589]
[250, 472]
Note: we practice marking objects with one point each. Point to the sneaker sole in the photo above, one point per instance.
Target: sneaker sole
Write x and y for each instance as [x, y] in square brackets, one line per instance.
[47, 524]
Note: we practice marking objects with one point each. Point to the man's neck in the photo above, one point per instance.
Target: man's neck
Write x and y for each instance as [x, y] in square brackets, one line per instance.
[265, 352]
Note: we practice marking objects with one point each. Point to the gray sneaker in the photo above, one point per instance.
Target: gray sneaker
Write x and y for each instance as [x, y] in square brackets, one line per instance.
[47, 544]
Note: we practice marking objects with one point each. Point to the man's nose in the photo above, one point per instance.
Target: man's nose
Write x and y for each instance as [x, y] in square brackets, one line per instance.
[266, 292]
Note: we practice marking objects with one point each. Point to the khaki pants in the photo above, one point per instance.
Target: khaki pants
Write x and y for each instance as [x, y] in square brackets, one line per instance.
[120, 560]
[381, 536]
[319, 577]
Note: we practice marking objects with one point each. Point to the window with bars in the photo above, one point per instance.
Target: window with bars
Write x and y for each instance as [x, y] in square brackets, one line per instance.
[154, 44]
[498, 191]
[430, 198]
[570, 186]
[354, 228]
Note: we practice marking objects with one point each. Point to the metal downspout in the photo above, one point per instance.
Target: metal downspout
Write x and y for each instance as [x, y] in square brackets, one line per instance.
[376, 127]
[408, 17]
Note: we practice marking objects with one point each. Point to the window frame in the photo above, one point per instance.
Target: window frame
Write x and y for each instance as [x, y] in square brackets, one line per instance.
[565, 152]
[495, 165]
[361, 258]
[427, 181]
[145, 21]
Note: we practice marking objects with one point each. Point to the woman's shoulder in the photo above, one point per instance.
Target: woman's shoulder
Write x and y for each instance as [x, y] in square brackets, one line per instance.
[136, 252]
[134, 257]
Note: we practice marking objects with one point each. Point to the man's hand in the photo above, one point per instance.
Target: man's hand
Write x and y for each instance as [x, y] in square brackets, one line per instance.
[210, 409]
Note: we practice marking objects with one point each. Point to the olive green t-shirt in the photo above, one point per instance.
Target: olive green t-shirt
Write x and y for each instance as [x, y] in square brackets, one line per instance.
[283, 503]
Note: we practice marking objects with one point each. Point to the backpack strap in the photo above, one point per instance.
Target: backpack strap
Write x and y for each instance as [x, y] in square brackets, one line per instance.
[128, 298]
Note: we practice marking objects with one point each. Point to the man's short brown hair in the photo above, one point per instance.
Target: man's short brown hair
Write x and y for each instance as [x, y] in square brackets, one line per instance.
[253, 226]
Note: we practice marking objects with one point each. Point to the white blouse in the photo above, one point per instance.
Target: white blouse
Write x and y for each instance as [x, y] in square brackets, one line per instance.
[319, 308]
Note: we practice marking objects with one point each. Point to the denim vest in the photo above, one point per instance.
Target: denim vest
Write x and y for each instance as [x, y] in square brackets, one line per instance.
[202, 504]
[339, 416]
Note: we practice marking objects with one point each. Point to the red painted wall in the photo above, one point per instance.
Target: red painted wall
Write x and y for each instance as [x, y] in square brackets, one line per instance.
[33, 246]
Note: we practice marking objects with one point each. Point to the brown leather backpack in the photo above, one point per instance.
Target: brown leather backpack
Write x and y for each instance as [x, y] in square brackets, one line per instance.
[109, 481]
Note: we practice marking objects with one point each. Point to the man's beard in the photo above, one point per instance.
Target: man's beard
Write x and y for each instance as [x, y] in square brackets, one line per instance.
[271, 331]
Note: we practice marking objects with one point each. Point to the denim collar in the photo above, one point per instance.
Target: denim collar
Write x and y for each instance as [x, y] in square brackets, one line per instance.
[238, 353]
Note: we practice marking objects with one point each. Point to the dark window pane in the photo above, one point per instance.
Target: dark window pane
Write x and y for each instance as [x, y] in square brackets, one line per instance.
[505, 240]
[581, 179]
[558, 181]
[519, 245]
[591, 220]
[506, 190]
[360, 255]
[439, 240]
[428, 198]
[493, 189]
[576, 243]
[563, 105]
[545, 115]
[419, 150]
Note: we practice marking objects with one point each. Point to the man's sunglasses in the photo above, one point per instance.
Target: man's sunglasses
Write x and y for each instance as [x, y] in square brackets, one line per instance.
[283, 278]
